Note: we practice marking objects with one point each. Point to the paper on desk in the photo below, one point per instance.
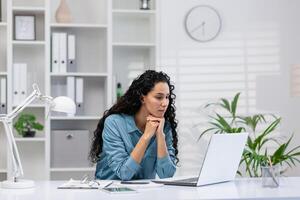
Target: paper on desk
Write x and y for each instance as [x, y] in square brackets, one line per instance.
[77, 184]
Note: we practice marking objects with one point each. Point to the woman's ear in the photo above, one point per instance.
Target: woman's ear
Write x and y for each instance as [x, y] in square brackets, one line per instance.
[142, 99]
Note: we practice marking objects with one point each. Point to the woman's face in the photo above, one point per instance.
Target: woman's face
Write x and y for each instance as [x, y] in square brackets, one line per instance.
[157, 100]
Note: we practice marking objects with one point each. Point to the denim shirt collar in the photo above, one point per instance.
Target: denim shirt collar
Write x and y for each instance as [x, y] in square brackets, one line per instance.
[130, 123]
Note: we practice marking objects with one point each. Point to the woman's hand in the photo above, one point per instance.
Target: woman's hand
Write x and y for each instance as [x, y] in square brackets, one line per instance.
[151, 127]
[160, 136]
[161, 123]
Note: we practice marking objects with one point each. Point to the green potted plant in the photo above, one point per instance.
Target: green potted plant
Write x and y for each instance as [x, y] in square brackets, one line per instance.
[257, 153]
[26, 125]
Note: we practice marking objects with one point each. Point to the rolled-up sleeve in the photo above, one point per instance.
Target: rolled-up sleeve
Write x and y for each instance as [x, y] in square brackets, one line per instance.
[119, 160]
[165, 167]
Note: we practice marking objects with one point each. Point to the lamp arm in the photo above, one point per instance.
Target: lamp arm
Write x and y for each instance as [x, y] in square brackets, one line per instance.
[23, 105]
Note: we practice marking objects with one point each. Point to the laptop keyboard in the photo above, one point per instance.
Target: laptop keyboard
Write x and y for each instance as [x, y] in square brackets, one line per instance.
[188, 180]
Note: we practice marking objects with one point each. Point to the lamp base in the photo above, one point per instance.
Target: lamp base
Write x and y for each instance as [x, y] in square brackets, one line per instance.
[20, 184]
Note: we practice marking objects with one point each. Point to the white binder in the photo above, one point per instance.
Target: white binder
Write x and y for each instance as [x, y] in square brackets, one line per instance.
[71, 53]
[63, 53]
[79, 96]
[16, 85]
[55, 52]
[23, 81]
[71, 87]
[3, 96]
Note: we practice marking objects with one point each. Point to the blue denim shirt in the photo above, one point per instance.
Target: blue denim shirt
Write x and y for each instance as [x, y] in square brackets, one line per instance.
[120, 136]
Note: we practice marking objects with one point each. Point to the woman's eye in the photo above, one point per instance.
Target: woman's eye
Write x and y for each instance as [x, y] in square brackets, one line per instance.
[161, 97]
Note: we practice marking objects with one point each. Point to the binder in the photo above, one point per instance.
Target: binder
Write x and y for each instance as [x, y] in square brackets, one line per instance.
[55, 53]
[16, 85]
[71, 53]
[23, 82]
[3, 96]
[63, 53]
[79, 96]
[71, 87]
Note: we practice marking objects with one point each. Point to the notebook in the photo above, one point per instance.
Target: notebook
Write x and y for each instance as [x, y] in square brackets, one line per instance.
[79, 184]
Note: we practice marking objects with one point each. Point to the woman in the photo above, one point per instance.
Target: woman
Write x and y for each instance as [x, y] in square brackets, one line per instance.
[137, 138]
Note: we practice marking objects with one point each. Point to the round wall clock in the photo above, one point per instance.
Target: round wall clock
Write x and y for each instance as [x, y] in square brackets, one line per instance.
[203, 23]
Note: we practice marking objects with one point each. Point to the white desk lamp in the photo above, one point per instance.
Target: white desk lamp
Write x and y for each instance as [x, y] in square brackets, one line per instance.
[59, 104]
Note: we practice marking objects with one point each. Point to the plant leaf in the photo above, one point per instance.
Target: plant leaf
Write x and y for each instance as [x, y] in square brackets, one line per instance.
[234, 104]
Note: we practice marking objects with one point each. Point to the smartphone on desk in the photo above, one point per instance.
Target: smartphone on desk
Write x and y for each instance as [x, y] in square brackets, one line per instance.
[119, 190]
[135, 182]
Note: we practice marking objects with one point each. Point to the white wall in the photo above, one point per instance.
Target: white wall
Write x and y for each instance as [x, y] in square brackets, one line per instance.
[259, 41]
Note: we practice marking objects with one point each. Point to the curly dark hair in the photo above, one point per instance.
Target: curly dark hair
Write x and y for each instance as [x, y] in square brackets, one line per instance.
[130, 104]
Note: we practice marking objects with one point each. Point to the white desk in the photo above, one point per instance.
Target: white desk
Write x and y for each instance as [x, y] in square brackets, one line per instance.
[239, 189]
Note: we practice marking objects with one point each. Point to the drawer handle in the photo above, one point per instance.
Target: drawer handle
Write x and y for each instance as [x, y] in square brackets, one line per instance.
[70, 136]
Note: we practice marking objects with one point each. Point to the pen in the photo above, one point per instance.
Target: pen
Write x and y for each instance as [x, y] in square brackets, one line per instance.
[135, 182]
[108, 184]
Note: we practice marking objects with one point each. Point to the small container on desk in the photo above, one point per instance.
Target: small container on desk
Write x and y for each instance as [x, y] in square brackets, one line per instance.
[270, 176]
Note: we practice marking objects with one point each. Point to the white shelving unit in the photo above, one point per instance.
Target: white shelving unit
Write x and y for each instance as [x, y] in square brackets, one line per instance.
[91, 28]
[134, 40]
[115, 41]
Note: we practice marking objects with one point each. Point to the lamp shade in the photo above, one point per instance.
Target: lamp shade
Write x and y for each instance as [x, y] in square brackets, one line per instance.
[63, 104]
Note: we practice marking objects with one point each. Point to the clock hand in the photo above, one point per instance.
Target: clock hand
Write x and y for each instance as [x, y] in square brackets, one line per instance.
[203, 30]
[197, 27]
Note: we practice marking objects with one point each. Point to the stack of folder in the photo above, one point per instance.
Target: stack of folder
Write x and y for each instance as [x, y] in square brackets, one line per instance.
[63, 53]
[75, 91]
[19, 83]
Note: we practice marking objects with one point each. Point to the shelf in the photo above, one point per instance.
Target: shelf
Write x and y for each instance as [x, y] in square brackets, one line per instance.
[27, 9]
[70, 25]
[3, 73]
[3, 171]
[72, 169]
[22, 42]
[35, 139]
[79, 74]
[75, 118]
[134, 12]
[3, 24]
[131, 44]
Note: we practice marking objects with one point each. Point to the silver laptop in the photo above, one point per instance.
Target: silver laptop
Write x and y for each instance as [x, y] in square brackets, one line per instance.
[220, 163]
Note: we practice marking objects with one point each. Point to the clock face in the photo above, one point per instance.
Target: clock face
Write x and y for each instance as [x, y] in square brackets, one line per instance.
[203, 23]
